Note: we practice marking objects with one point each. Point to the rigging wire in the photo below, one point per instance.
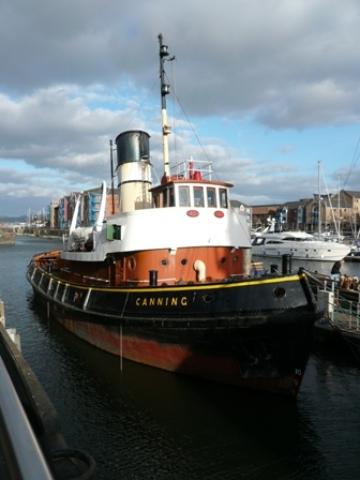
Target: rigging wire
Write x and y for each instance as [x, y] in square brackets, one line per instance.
[191, 125]
[175, 97]
[354, 160]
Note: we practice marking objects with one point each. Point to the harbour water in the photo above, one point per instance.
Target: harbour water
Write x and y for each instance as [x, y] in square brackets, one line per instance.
[142, 423]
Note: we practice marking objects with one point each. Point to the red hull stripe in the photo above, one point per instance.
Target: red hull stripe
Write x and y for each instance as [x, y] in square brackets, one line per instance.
[176, 358]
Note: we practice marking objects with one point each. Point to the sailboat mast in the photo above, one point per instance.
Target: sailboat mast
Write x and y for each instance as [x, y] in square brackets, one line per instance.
[339, 204]
[319, 201]
[164, 90]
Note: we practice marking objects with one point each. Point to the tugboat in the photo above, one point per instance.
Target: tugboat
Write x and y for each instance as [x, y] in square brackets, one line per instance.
[167, 282]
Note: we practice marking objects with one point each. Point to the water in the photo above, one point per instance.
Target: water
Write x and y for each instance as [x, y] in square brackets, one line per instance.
[142, 423]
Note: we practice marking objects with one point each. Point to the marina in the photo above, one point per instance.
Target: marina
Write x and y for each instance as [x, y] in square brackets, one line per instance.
[140, 422]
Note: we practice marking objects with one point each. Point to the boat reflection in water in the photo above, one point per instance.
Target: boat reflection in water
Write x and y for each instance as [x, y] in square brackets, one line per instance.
[167, 282]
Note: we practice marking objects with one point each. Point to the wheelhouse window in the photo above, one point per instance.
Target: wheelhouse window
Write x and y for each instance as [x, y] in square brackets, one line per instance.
[184, 196]
[170, 197]
[198, 196]
[223, 198]
[156, 200]
[211, 197]
[165, 198]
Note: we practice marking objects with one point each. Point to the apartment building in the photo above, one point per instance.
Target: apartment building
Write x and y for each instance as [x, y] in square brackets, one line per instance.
[62, 210]
[339, 212]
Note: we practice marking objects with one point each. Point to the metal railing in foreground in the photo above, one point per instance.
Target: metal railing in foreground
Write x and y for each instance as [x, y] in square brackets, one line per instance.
[31, 441]
[22, 452]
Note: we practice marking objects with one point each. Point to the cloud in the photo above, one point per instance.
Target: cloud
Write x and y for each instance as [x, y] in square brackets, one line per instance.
[74, 75]
[55, 127]
[290, 63]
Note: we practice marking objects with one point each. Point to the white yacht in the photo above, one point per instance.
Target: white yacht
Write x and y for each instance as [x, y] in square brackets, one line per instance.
[300, 245]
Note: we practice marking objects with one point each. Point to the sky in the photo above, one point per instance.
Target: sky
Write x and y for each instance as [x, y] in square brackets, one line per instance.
[267, 90]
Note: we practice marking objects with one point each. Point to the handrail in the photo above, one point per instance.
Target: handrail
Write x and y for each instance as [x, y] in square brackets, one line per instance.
[203, 166]
[346, 315]
[24, 456]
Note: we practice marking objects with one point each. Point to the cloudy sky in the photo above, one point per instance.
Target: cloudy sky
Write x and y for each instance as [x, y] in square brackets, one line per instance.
[266, 89]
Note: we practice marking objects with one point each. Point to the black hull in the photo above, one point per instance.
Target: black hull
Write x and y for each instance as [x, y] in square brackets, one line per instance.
[352, 339]
[254, 333]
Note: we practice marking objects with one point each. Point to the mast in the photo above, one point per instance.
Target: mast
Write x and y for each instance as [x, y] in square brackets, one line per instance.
[319, 202]
[164, 90]
[339, 205]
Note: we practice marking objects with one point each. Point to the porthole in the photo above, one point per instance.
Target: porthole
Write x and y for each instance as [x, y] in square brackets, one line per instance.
[164, 262]
[223, 260]
[183, 261]
[279, 292]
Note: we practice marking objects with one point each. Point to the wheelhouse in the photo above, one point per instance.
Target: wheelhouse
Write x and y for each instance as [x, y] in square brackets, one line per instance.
[191, 191]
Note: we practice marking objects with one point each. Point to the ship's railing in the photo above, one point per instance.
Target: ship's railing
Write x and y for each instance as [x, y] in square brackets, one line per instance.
[345, 314]
[341, 312]
[188, 169]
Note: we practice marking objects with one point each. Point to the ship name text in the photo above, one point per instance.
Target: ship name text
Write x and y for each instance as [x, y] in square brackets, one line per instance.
[161, 301]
